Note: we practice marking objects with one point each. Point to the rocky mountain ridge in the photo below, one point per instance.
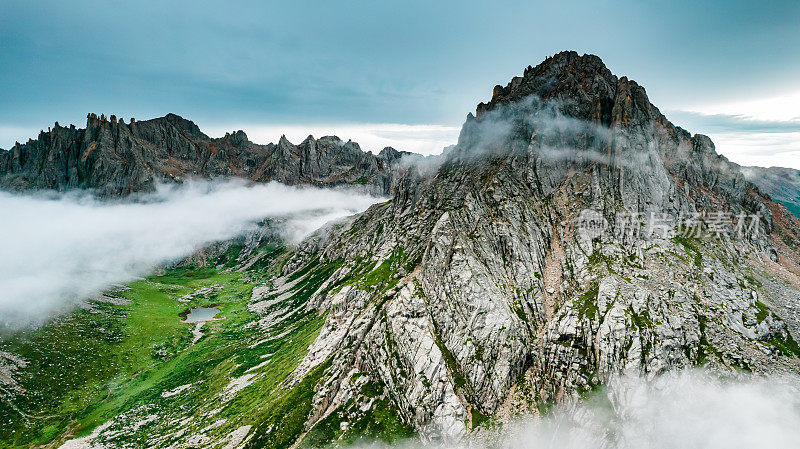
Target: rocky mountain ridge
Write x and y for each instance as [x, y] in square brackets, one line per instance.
[495, 300]
[573, 235]
[118, 158]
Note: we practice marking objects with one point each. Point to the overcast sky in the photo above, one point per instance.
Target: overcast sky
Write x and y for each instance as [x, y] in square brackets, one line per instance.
[403, 75]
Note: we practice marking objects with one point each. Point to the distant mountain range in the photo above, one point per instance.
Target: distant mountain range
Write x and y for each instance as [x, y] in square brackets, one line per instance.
[782, 184]
[117, 158]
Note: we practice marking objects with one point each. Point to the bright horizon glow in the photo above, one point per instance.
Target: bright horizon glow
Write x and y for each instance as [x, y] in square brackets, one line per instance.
[763, 132]
[421, 139]
[782, 108]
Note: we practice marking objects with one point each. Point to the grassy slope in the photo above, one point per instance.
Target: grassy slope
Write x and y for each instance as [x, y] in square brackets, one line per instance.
[350, 424]
[91, 366]
[112, 364]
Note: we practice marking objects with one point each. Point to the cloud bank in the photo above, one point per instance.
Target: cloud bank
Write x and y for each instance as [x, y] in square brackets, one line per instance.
[689, 409]
[58, 249]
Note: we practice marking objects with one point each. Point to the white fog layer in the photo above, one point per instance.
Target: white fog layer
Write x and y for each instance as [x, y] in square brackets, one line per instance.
[689, 409]
[58, 249]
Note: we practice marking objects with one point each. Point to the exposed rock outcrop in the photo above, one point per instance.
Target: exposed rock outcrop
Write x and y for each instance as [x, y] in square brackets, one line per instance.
[116, 158]
[480, 288]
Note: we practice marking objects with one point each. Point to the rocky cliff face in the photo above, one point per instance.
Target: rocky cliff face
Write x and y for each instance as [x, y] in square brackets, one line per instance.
[572, 235]
[117, 158]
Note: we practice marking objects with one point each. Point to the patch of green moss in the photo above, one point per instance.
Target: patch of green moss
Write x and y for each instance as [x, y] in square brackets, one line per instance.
[458, 379]
[752, 280]
[350, 424]
[586, 303]
[269, 262]
[591, 390]
[229, 258]
[705, 348]
[384, 275]
[381, 274]
[690, 247]
[786, 345]
[631, 260]
[544, 406]
[372, 389]
[763, 312]
[640, 320]
[597, 259]
[477, 418]
[520, 312]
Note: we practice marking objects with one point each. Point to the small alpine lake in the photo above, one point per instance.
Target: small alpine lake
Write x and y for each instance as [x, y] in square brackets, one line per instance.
[200, 314]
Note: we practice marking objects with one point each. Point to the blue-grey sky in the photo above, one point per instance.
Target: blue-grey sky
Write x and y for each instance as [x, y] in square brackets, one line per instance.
[373, 68]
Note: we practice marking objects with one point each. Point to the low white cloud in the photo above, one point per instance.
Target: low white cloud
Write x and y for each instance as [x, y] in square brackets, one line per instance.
[422, 139]
[58, 249]
[689, 409]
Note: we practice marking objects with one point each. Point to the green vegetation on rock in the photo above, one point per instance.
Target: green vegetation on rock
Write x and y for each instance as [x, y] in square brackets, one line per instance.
[586, 303]
[371, 416]
[690, 245]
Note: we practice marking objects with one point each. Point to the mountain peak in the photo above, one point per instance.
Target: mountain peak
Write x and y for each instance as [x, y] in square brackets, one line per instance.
[236, 138]
[563, 75]
[187, 126]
